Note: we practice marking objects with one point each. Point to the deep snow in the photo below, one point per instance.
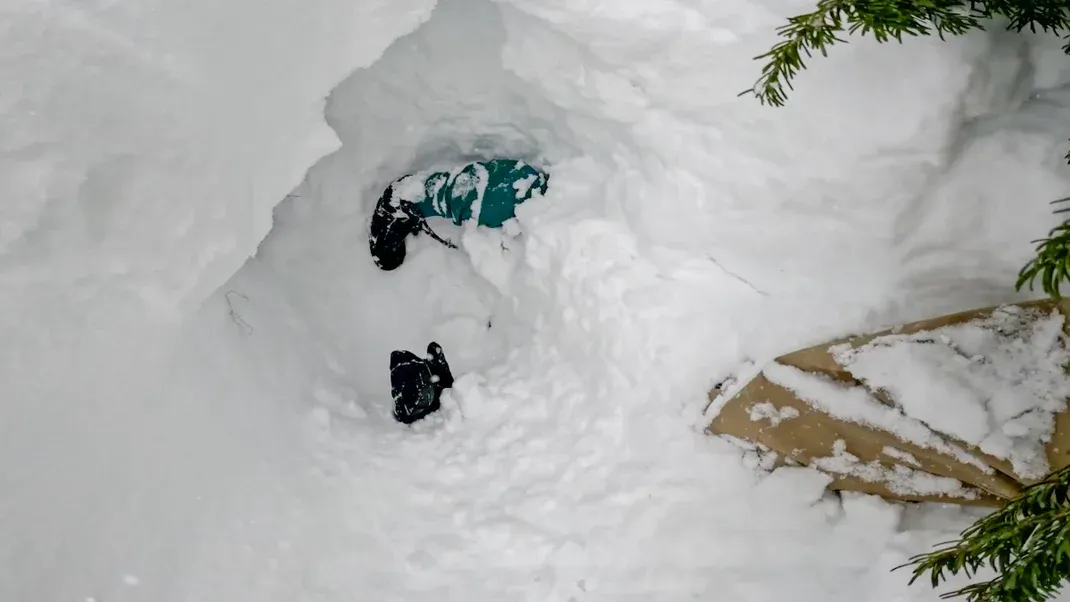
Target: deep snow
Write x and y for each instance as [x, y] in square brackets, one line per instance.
[245, 451]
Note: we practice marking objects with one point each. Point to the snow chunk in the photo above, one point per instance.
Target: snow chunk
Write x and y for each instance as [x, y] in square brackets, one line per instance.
[900, 455]
[768, 411]
[466, 182]
[524, 185]
[494, 254]
[410, 188]
[899, 479]
[855, 404]
[995, 383]
[151, 140]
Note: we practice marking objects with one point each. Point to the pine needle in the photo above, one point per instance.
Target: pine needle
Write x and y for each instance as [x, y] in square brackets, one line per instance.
[1026, 542]
[886, 20]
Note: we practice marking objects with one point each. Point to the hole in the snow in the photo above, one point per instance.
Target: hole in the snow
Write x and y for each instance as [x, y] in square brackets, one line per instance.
[437, 97]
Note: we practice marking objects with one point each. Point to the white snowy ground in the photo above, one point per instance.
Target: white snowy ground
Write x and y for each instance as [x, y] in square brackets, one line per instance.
[245, 452]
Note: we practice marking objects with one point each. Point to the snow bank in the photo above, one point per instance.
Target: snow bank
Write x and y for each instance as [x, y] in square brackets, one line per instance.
[146, 144]
[753, 188]
[144, 147]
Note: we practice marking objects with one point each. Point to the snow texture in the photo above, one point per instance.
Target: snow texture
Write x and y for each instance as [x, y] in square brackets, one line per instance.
[856, 404]
[179, 426]
[769, 412]
[995, 383]
[523, 186]
[412, 187]
[898, 479]
[900, 455]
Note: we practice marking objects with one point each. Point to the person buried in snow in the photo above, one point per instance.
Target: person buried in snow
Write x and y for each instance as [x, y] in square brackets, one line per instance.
[485, 191]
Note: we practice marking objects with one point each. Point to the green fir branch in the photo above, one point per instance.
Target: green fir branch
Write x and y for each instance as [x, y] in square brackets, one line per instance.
[886, 20]
[817, 31]
[1052, 261]
[1026, 542]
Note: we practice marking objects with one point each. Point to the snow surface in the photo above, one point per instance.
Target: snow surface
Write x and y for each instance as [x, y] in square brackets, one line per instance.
[165, 438]
[995, 383]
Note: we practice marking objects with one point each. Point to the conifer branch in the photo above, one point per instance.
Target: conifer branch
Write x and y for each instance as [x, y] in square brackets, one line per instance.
[1026, 542]
[1052, 262]
[889, 20]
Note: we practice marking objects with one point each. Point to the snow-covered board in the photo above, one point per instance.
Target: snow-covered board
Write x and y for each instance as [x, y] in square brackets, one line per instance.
[966, 408]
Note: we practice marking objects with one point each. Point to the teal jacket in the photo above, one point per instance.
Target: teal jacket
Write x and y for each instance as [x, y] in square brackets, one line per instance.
[487, 190]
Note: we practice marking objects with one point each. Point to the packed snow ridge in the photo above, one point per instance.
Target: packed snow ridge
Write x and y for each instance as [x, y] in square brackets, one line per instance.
[196, 409]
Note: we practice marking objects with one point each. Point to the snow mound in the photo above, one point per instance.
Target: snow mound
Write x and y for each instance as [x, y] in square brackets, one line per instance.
[146, 144]
[995, 383]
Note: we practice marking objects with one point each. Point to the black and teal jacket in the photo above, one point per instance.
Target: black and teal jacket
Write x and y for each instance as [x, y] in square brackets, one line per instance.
[486, 191]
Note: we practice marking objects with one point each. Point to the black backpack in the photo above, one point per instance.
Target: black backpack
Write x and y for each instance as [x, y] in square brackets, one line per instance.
[416, 384]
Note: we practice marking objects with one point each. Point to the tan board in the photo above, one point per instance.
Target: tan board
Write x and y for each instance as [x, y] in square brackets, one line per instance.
[811, 435]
